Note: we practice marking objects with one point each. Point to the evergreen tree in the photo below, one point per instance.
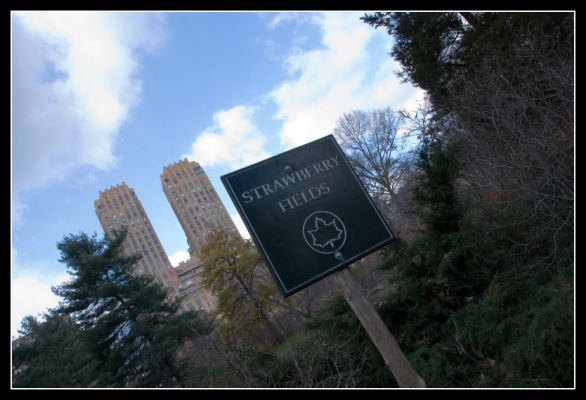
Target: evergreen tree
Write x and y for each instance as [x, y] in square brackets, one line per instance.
[506, 80]
[51, 353]
[426, 46]
[477, 289]
[439, 270]
[440, 51]
[132, 328]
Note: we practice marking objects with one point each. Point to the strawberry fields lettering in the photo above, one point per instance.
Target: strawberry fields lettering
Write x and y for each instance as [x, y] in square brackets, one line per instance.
[310, 172]
[307, 212]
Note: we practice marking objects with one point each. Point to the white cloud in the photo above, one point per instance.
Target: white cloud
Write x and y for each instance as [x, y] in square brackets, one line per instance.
[74, 82]
[352, 70]
[240, 225]
[30, 291]
[233, 140]
[179, 256]
[18, 211]
[31, 296]
[284, 17]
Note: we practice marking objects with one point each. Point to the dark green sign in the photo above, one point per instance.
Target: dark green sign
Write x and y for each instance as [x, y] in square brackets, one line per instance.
[307, 212]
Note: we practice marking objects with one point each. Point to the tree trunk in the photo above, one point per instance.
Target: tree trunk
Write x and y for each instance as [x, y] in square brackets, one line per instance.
[470, 18]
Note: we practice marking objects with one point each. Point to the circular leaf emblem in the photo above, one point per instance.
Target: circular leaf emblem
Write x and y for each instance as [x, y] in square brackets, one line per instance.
[324, 232]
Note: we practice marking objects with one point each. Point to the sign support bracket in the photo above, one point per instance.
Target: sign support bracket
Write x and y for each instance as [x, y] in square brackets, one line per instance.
[378, 332]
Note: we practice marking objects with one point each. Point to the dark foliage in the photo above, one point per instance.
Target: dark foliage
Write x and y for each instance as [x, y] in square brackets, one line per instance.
[51, 353]
[124, 323]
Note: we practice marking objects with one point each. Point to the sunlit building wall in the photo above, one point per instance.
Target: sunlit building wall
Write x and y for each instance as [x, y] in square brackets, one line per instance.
[195, 202]
[119, 207]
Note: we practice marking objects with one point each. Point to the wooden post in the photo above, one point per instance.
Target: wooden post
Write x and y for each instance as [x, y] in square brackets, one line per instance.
[384, 341]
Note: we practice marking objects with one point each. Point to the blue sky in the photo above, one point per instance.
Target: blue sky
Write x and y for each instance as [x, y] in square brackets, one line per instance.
[102, 98]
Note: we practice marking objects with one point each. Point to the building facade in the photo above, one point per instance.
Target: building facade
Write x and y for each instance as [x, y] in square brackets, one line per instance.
[195, 202]
[191, 288]
[119, 207]
[199, 210]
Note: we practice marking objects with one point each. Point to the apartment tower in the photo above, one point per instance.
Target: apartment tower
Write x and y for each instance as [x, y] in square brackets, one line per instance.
[195, 202]
[119, 207]
[193, 293]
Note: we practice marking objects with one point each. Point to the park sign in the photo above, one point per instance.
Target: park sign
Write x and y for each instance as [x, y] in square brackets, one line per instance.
[307, 212]
[309, 216]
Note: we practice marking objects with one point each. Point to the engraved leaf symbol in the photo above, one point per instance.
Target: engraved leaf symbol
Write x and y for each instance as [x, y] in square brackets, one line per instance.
[325, 233]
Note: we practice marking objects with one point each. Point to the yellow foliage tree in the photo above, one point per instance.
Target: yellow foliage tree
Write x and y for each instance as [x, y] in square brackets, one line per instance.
[234, 272]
